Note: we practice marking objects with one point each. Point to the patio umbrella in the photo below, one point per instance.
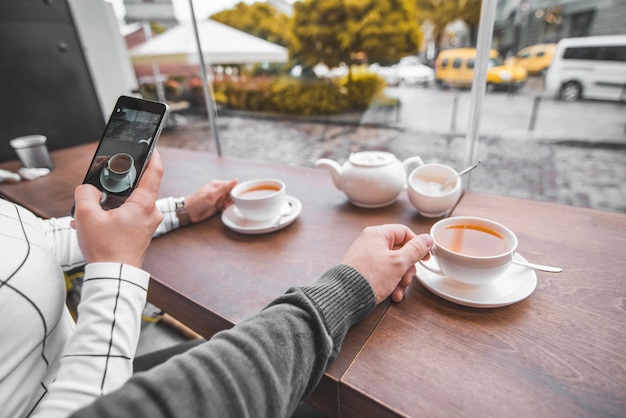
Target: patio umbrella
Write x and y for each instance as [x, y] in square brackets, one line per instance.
[221, 44]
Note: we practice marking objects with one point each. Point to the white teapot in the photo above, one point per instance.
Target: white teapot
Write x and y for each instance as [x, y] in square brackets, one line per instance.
[370, 179]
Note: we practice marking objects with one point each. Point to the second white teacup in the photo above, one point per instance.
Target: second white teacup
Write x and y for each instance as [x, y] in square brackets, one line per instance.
[471, 250]
[259, 200]
[425, 192]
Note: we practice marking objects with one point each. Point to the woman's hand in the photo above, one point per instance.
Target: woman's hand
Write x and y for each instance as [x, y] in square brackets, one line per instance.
[209, 199]
[120, 235]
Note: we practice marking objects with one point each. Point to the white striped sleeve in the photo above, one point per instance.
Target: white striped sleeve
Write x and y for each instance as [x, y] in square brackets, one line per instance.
[170, 220]
[98, 357]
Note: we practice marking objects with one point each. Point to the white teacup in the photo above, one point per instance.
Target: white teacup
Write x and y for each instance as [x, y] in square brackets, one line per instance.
[119, 165]
[425, 192]
[471, 250]
[259, 200]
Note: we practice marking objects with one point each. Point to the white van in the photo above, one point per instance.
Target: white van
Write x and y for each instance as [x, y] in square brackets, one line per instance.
[593, 67]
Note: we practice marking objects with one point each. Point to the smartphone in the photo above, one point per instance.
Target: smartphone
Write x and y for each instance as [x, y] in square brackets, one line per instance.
[124, 150]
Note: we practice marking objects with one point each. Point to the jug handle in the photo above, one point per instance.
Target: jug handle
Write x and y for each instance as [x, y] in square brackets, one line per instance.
[407, 163]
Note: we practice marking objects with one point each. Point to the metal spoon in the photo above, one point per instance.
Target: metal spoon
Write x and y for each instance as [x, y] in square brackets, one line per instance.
[548, 269]
[459, 174]
[285, 210]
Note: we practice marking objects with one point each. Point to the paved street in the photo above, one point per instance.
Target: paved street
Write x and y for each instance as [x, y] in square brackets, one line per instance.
[510, 115]
[576, 154]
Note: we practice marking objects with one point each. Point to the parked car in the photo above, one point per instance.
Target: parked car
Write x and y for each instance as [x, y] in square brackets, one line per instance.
[408, 71]
[412, 72]
[455, 68]
[389, 74]
[535, 58]
[592, 67]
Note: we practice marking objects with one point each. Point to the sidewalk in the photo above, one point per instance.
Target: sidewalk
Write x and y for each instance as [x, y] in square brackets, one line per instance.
[570, 171]
[526, 115]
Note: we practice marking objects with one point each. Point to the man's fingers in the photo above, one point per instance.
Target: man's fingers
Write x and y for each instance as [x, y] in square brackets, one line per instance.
[418, 247]
[398, 294]
[399, 235]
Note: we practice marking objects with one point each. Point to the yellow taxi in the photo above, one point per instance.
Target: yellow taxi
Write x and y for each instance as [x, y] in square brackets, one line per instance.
[535, 58]
[455, 68]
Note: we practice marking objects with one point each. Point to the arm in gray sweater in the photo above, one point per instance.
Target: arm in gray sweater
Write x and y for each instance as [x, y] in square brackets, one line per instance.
[262, 367]
[266, 364]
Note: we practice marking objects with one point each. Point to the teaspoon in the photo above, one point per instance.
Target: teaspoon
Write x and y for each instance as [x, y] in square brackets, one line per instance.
[284, 211]
[459, 174]
[548, 269]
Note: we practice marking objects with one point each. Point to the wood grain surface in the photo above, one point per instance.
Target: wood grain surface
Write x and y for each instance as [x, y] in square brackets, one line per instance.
[560, 352]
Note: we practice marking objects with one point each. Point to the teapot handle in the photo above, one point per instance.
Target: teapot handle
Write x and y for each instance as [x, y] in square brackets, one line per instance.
[406, 163]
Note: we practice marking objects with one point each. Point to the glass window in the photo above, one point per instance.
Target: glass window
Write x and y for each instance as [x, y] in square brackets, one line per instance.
[612, 53]
[580, 24]
[313, 91]
[581, 53]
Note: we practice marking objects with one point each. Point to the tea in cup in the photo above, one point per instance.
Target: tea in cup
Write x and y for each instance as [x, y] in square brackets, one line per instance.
[471, 250]
[425, 190]
[259, 200]
[119, 166]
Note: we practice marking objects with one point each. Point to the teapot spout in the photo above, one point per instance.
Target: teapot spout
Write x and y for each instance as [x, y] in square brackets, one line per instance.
[333, 167]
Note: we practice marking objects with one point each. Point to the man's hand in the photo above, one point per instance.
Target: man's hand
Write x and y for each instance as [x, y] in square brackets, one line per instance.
[123, 234]
[386, 255]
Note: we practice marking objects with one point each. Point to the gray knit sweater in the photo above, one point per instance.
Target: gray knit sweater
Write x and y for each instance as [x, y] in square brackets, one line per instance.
[262, 367]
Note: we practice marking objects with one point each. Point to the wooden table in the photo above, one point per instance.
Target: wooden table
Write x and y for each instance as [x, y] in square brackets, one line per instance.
[209, 277]
[560, 352]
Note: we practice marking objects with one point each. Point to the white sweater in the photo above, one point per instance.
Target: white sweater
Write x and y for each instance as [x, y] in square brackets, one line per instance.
[50, 365]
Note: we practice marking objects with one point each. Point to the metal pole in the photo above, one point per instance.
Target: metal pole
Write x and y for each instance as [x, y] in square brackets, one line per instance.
[455, 106]
[485, 36]
[533, 115]
[208, 99]
[398, 108]
[158, 80]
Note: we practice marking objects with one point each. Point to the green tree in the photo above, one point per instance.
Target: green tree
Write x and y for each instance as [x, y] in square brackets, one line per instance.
[442, 12]
[259, 19]
[347, 31]
[156, 28]
[388, 30]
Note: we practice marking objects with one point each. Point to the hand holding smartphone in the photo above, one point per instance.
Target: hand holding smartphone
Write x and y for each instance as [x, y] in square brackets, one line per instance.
[125, 148]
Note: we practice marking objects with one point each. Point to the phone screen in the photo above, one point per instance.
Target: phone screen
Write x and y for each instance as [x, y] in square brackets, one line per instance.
[125, 147]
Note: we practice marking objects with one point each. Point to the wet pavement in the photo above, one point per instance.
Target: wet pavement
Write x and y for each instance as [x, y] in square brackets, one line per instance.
[588, 170]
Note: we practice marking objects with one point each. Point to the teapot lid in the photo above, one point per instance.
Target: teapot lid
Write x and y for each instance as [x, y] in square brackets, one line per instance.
[371, 158]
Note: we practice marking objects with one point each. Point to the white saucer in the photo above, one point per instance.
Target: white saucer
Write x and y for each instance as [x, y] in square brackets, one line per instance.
[118, 186]
[516, 284]
[233, 219]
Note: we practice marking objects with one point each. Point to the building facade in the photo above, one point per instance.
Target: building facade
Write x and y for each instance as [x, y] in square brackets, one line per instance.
[520, 23]
[159, 11]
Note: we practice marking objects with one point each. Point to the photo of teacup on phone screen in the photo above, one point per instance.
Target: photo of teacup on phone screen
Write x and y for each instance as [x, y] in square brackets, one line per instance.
[125, 148]
[119, 174]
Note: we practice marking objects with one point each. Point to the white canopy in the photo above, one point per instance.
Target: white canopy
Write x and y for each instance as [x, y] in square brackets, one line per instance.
[221, 44]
